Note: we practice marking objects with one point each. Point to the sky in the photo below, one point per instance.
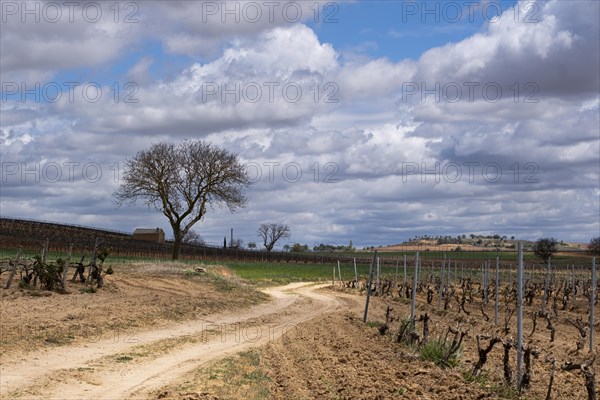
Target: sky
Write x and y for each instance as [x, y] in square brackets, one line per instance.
[370, 121]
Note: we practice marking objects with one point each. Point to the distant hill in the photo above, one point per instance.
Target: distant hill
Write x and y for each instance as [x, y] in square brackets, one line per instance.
[473, 243]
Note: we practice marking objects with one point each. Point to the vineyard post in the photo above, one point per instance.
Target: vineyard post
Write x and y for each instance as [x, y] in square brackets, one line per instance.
[447, 273]
[396, 280]
[470, 271]
[441, 285]
[524, 278]
[487, 281]
[441, 282]
[43, 258]
[333, 278]
[483, 276]
[483, 281]
[414, 294]
[340, 274]
[573, 282]
[66, 271]
[369, 286]
[13, 270]
[462, 274]
[496, 288]
[448, 277]
[520, 316]
[592, 299]
[355, 272]
[377, 279]
[404, 279]
[93, 263]
[432, 276]
[547, 285]
[570, 275]
[45, 251]
[583, 277]
[455, 273]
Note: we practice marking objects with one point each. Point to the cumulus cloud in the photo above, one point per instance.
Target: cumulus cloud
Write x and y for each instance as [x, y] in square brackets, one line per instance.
[40, 38]
[546, 50]
[201, 30]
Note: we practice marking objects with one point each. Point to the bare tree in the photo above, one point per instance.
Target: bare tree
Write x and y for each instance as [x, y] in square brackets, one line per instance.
[544, 248]
[194, 238]
[237, 244]
[271, 233]
[182, 180]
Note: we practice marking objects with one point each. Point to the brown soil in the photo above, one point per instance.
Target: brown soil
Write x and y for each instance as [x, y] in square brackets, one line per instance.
[136, 298]
[196, 338]
[337, 356]
[134, 365]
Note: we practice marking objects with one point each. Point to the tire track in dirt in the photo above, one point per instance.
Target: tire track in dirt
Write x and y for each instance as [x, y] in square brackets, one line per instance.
[166, 287]
[49, 375]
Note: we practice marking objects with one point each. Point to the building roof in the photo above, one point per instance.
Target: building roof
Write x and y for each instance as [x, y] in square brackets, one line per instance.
[141, 231]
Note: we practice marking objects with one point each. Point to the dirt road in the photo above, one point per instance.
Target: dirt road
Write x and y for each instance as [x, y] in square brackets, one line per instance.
[132, 367]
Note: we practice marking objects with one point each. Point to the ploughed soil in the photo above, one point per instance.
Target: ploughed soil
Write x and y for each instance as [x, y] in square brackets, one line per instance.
[337, 356]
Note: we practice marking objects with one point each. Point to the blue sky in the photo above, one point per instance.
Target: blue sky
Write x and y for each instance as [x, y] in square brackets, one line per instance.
[399, 29]
[427, 117]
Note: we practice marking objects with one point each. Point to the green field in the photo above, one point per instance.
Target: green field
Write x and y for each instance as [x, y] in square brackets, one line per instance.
[264, 273]
[273, 273]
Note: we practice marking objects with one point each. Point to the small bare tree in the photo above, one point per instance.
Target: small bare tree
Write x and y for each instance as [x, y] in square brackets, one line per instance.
[182, 180]
[271, 233]
[193, 238]
[237, 244]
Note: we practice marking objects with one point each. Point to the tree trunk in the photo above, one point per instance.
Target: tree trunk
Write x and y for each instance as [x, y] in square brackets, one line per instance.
[177, 237]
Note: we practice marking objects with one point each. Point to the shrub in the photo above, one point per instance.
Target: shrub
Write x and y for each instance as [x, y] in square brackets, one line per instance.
[594, 247]
[544, 248]
[440, 353]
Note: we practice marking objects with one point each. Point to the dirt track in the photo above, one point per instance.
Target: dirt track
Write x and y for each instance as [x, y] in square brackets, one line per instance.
[156, 357]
